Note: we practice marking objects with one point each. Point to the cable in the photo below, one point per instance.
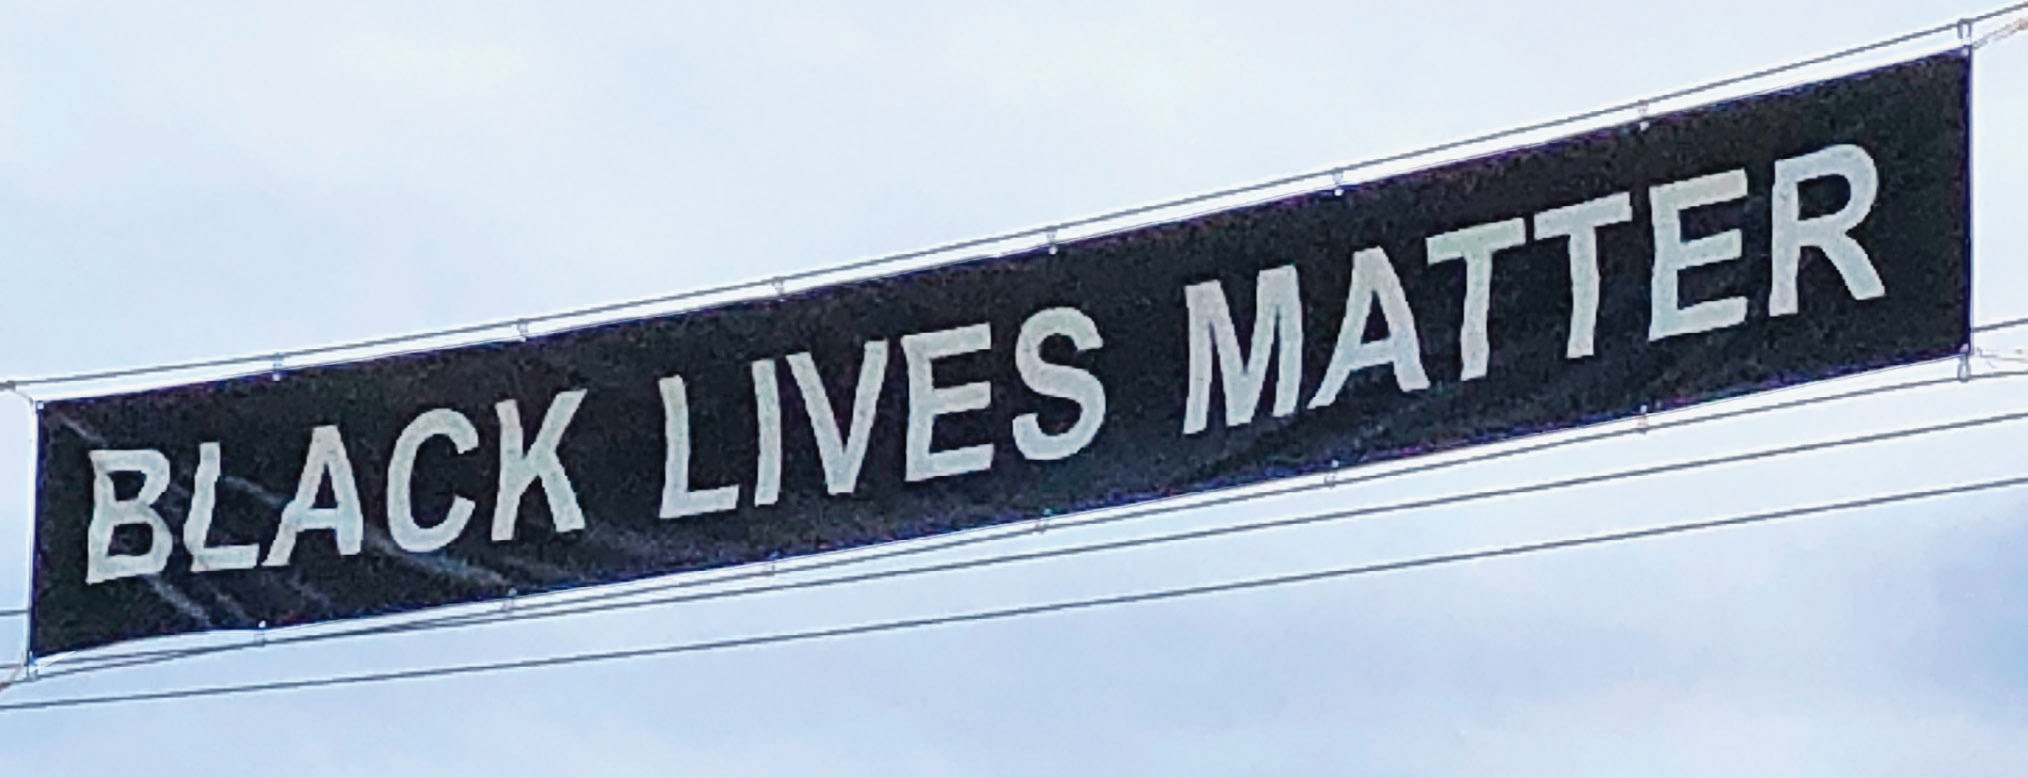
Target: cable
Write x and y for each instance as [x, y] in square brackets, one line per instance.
[1962, 25]
[14, 674]
[1025, 610]
[2000, 325]
[2000, 34]
[1155, 507]
[586, 605]
[1214, 498]
[1230, 495]
[910, 548]
[576, 606]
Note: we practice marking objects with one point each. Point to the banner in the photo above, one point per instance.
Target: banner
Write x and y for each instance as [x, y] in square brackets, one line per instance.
[1728, 249]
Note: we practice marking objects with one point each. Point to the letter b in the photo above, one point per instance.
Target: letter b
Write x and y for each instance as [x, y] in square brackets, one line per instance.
[110, 513]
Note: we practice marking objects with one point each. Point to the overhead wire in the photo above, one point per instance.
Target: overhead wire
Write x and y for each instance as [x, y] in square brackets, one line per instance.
[585, 604]
[96, 662]
[776, 638]
[1228, 495]
[519, 325]
[581, 606]
[1963, 24]
[14, 675]
[2001, 33]
[1019, 529]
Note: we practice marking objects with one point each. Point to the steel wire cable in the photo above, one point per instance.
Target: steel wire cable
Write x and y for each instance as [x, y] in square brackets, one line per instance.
[585, 606]
[1018, 611]
[1963, 26]
[913, 547]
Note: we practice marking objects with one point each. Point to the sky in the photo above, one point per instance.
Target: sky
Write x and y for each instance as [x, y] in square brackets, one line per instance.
[181, 181]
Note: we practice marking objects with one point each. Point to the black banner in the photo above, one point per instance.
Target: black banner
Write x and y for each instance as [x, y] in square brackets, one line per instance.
[1728, 249]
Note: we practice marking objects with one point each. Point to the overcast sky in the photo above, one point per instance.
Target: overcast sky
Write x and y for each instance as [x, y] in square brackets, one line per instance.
[180, 181]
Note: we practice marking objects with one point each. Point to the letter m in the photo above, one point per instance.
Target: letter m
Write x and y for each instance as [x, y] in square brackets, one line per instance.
[1277, 335]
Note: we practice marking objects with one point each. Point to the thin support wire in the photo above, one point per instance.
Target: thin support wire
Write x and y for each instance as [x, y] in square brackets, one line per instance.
[2000, 34]
[586, 605]
[1231, 495]
[1024, 610]
[843, 271]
